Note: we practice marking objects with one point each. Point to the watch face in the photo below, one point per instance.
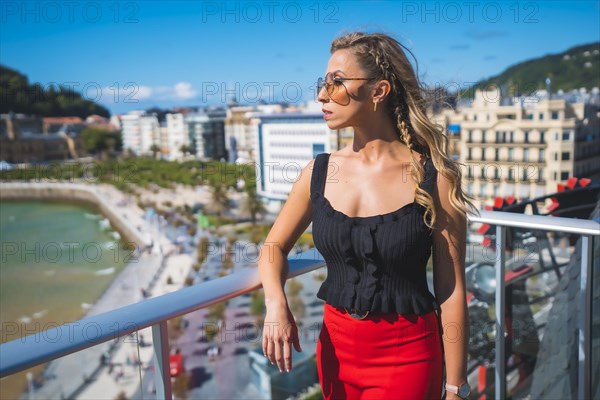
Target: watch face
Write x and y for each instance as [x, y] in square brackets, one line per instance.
[464, 390]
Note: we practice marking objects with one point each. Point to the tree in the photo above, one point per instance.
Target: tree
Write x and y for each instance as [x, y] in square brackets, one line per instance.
[252, 205]
[220, 200]
[185, 149]
[97, 140]
[155, 149]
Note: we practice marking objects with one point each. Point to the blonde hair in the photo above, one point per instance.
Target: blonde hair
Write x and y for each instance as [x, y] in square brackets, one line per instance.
[382, 57]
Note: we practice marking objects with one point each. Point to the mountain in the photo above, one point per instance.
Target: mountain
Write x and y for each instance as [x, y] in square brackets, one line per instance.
[574, 68]
[19, 96]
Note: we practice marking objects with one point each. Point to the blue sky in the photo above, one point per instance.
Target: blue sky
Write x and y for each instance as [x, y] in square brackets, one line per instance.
[137, 54]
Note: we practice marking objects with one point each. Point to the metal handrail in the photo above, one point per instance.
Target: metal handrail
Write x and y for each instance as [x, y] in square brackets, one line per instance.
[20, 354]
[538, 222]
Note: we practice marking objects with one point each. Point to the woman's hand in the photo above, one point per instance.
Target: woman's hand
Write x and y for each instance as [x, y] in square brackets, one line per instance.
[279, 332]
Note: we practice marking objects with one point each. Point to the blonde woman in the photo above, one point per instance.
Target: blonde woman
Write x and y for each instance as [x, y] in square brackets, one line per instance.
[380, 208]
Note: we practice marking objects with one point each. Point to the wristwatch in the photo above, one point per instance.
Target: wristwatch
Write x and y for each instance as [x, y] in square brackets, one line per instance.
[462, 391]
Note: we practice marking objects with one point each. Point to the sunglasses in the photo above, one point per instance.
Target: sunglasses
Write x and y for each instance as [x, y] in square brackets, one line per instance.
[334, 86]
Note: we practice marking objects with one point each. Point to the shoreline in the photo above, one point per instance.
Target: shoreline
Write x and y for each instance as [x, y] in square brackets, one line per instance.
[90, 206]
[128, 221]
[72, 193]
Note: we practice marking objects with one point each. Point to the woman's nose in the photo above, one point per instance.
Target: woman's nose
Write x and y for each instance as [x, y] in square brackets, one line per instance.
[322, 96]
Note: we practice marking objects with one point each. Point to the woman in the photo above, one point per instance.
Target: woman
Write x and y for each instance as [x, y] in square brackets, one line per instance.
[380, 208]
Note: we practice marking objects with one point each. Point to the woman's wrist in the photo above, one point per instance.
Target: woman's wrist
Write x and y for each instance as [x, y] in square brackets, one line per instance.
[275, 302]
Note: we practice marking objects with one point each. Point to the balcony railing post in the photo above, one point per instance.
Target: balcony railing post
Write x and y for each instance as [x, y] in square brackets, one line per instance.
[585, 314]
[500, 381]
[162, 370]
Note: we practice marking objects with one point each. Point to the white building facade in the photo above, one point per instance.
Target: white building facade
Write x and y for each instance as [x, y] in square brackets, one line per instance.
[286, 142]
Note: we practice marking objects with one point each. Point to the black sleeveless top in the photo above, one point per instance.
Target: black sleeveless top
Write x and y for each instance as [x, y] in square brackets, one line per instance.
[378, 262]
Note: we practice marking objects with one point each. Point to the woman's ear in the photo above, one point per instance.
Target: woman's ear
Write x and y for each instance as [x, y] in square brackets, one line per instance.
[381, 90]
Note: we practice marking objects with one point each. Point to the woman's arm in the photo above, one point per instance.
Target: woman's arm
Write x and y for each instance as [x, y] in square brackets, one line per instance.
[273, 267]
[449, 251]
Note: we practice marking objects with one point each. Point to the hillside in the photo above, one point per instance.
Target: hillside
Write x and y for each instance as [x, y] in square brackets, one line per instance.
[574, 68]
[19, 96]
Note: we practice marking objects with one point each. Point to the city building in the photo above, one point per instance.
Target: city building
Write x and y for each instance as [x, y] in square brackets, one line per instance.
[57, 124]
[524, 146]
[286, 142]
[239, 134]
[140, 132]
[206, 133]
[177, 139]
[23, 140]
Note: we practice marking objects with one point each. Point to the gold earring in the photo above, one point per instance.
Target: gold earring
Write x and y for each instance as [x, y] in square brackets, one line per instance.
[374, 106]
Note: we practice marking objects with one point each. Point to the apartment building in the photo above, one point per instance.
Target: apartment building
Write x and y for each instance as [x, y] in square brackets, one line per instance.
[206, 133]
[140, 132]
[286, 142]
[177, 138]
[524, 146]
[239, 134]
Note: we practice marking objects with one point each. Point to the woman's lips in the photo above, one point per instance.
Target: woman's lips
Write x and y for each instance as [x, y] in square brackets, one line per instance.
[326, 114]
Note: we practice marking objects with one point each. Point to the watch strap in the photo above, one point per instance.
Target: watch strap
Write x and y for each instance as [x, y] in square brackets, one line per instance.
[452, 388]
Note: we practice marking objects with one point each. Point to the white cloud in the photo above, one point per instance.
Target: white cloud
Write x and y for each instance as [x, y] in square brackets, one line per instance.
[184, 91]
[132, 93]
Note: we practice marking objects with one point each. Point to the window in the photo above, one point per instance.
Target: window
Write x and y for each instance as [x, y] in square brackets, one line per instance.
[482, 173]
[497, 136]
[504, 137]
[470, 172]
[511, 174]
[470, 139]
[564, 175]
[542, 155]
[555, 175]
[540, 175]
[555, 156]
[496, 154]
[510, 153]
[541, 116]
[469, 156]
[566, 135]
[511, 136]
[496, 173]
[542, 133]
[525, 154]
[529, 116]
[554, 115]
[482, 190]
[566, 156]
[526, 138]
[482, 137]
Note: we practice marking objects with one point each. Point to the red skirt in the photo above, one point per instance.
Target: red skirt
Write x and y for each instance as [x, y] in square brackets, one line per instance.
[384, 356]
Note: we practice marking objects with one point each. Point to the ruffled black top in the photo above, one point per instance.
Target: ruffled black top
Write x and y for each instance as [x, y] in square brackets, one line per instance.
[375, 263]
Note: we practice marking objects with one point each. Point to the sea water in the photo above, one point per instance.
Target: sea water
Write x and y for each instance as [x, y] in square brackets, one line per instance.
[55, 262]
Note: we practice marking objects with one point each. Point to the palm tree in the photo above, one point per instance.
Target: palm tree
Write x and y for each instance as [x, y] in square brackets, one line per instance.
[220, 200]
[252, 205]
[185, 149]
[155, 149]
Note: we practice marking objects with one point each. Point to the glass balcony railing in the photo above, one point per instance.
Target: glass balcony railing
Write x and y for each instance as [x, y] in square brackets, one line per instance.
[536, 281]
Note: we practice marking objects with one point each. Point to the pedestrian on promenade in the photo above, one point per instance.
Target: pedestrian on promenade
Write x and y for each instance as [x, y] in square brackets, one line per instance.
[379, 208]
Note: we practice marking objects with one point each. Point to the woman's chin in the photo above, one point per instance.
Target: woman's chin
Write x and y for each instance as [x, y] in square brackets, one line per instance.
[333, 125]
